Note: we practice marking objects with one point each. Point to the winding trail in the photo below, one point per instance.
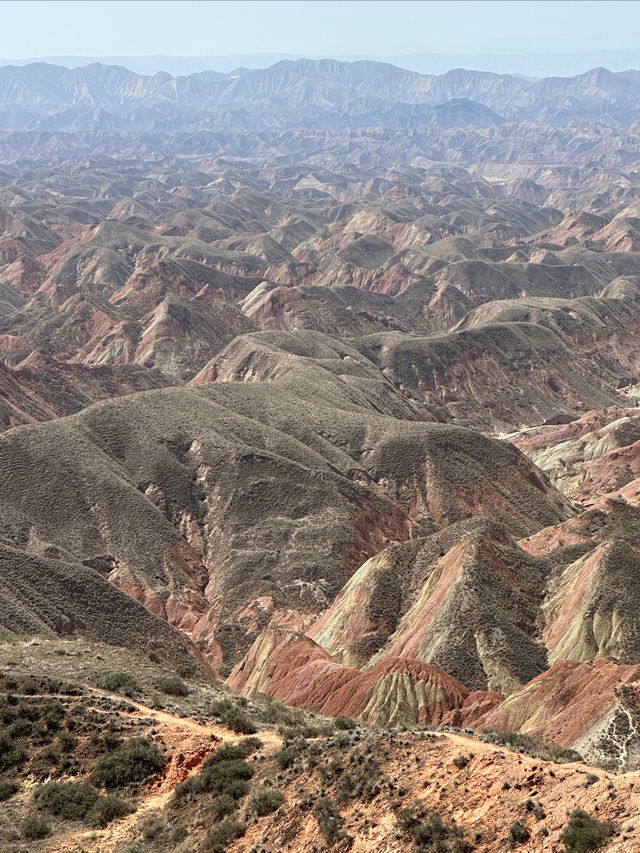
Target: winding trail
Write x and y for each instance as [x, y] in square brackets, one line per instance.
[187, 742]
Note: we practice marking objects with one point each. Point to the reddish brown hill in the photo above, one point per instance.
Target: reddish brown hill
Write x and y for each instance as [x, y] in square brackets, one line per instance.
[467, 599]
[590, 706]
[40, 387]
[291, 667]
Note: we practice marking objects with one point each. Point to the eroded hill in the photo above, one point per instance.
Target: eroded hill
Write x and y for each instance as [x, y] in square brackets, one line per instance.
[349, 422]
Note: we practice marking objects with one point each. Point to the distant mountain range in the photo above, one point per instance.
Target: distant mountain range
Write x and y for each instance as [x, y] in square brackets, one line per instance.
[305, 94]
[533, 65]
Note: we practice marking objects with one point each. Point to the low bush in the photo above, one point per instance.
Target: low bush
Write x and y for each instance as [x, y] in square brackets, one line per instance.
[359, 781]
[266, 801]
[277, 712]
[303, 730]
[518, 833]
[535, 808]
[219, 777]
[219, 838]
[329, 819]
[407, 818]
[232, 752]
[173, 686]
[34, 828]
[345, 723]
[153, 828]
[12, 752]
[432, 833]
[238, 722]
[429, 833]
[7, 790]
[287, 756]
[120, 682]
[232, 717]
[107, 809]
[222, 806]
[585, 832]
[134, 761]
[68, 800]
[218, 707]
[20, 728]
[67, 742]
[111, 741]
[461, 761]
[531, 745]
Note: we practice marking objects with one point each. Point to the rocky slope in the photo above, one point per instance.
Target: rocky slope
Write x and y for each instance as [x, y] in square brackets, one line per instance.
[384, 788]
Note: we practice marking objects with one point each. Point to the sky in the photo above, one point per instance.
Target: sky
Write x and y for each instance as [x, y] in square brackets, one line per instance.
[31, 28]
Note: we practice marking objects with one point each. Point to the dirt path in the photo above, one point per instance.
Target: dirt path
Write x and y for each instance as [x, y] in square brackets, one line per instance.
[187, 742]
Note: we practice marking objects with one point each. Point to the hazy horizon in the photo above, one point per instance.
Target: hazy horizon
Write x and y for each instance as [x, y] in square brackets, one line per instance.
[529, 65]
[491, 32]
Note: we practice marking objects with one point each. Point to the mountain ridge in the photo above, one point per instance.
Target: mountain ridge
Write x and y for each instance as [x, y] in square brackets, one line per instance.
[304, 93]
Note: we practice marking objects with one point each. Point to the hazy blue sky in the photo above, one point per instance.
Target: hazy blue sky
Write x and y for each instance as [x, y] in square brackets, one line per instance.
[123, 28]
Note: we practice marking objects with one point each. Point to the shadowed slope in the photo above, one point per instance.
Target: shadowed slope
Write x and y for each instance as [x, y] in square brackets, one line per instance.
[200, 501]
[50, 597]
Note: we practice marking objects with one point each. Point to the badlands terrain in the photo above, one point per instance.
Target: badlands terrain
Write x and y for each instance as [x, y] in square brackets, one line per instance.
[325, 434]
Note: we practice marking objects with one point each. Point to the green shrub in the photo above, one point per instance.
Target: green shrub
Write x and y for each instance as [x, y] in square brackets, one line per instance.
[222, 805]
[186, 670]
[20, 728]
[153, 828]
[329, 819]
[585, 832]
[407, 818]
[173, 686]
[68, 800]
[359, 782]
[535, 808]
[111, 741]
[67, 741]
[238, 722]
[232, 717]
[221, 777]
[121, 682]
[219, 838]
[233, 752]
[12, 754]
[345, 723]
[53, 712]
[7, 790]
[34, 828]
[220, 706]
[79, 801]
[461, 761]
[134, 761]
[107, 809]
[591, 779]
[432, 834]
[30, 687]
[224, 772]
[287, 756]
[518, 833]
[266, 801]
[277, 712]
